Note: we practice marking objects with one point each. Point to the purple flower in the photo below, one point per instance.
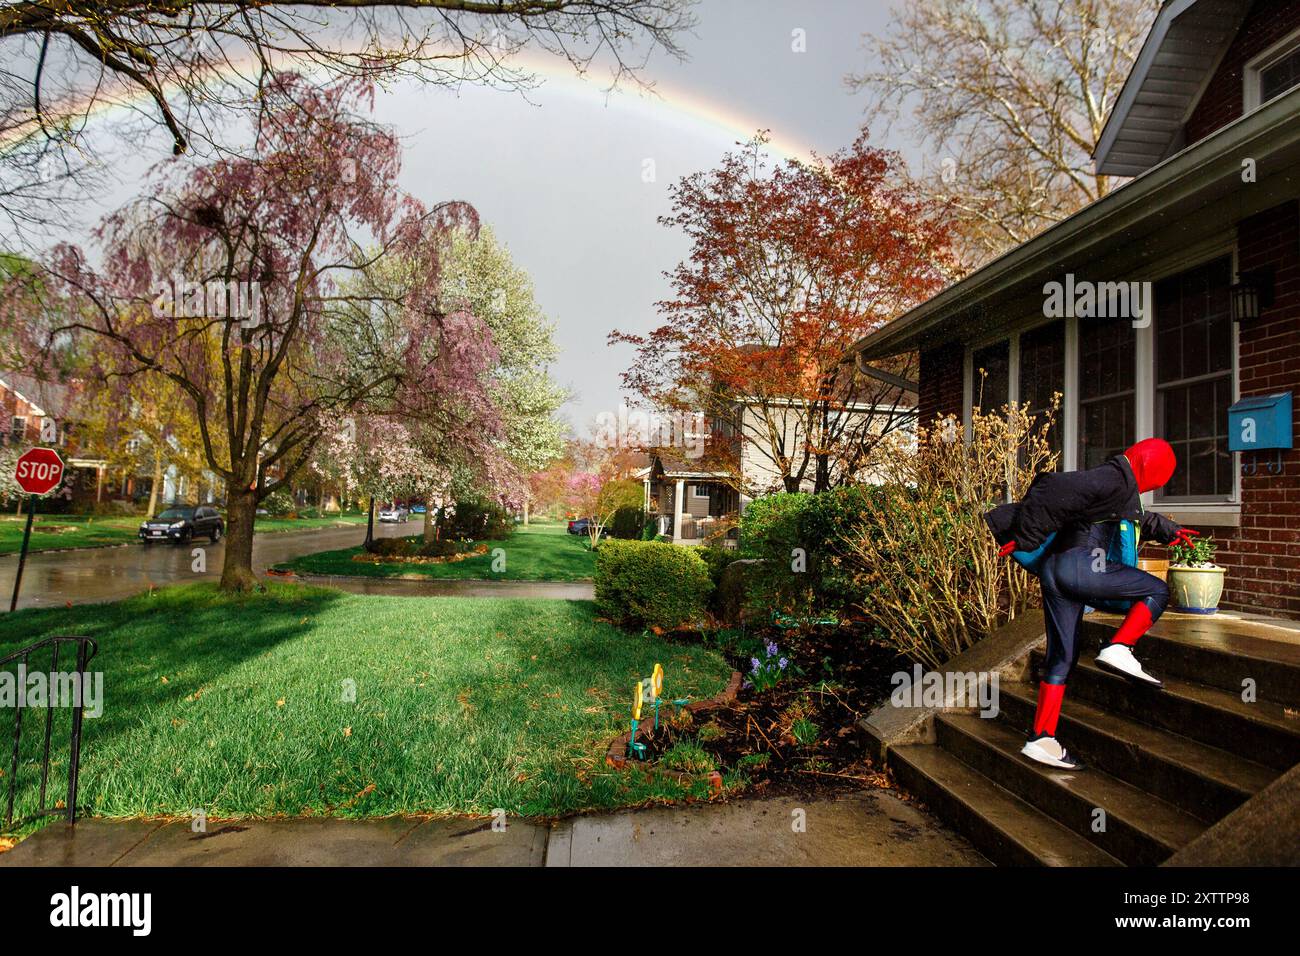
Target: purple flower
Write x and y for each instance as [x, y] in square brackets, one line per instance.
[782, 662]
[754, 661]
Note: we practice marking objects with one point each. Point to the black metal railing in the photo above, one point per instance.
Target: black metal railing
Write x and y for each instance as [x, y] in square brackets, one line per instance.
[86, 649]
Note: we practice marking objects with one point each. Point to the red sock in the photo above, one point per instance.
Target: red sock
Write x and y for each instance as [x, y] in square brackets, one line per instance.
[1135, 625]
[1049, 709]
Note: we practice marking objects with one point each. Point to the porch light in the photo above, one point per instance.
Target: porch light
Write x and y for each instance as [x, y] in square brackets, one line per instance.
[1252, 293]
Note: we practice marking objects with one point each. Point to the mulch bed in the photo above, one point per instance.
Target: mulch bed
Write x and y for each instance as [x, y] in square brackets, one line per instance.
[836, 675]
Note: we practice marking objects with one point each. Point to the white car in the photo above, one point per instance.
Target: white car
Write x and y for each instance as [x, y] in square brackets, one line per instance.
[394, 514]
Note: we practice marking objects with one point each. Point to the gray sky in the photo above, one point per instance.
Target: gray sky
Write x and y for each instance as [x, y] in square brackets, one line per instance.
[559, 176]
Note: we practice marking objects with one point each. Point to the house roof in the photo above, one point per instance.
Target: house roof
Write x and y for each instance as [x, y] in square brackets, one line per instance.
[1177, 60]
[676, 465]
[1114, 236]
[48, 398]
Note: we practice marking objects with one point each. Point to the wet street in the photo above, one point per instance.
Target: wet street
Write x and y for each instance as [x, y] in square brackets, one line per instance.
[109, 574]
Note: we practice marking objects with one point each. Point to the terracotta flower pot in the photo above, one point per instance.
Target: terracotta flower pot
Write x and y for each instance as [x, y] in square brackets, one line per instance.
[1157, 566]
[1195, 590]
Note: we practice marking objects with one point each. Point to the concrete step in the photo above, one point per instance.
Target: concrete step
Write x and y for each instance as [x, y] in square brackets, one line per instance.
[1202, 780]
[1138, 828]
[1261, 731]
[1004, 828]
[1216, 651]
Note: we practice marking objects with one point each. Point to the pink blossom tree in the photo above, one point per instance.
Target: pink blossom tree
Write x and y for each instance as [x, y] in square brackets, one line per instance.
[244, 282]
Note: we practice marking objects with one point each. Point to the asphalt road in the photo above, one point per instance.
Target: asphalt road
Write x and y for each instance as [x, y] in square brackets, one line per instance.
[109, 574]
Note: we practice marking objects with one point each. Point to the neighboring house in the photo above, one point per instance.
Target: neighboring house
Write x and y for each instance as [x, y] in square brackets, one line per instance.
[697, 500]
[691, 504]
[1208, 123]
[39, 413]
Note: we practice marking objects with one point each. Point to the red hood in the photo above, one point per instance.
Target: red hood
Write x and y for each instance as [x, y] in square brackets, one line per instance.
[1153, 463]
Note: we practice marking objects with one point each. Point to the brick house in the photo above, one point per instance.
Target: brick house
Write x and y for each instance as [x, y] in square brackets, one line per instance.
[1208, 126]
[41, 413]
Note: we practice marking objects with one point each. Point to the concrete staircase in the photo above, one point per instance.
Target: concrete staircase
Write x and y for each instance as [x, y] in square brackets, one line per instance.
[1163, 765]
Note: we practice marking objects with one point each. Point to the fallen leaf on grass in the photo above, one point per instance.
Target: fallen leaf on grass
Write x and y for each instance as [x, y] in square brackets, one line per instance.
[280, 702]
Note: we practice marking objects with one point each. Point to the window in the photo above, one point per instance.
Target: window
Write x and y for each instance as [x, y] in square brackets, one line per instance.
[17, 429]
[699, 491]
[990, 391]
[1194, 379]
[1279, 76]
[1042, 373]
[1106, 393]
[1273, 73]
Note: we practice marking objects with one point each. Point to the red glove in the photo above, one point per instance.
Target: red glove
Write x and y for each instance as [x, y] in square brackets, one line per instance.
[1184, 536]
[1007, 549]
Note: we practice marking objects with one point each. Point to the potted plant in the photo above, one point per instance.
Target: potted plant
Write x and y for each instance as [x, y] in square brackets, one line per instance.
[1195, 581]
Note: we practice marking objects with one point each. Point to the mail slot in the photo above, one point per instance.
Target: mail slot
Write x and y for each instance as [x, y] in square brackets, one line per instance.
[1260, 422]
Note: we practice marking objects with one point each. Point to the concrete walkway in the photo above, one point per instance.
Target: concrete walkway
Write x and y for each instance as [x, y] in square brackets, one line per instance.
[871, 828]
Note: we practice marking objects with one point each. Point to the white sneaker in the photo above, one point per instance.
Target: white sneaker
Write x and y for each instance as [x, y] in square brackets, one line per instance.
[1119, 659]
[1048, 750]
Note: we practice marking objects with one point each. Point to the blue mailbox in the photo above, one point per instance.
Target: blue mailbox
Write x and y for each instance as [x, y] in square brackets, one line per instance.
[1261, 423]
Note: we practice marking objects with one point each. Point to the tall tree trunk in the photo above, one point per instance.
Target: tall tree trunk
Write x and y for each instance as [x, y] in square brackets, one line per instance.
[157, 480]
[525, 512]
[241, 513]
[430, 526]
[370, 524]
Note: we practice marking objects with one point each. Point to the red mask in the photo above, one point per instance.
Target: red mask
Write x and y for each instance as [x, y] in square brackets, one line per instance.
[1153, 463]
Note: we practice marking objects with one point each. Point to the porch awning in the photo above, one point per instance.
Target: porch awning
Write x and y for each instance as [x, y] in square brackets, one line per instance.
[1193, 197]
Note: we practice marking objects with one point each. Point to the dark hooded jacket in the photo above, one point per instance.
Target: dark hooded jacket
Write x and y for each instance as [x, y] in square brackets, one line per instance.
[1070, 502]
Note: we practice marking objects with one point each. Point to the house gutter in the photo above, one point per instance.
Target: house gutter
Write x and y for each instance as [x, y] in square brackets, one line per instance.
[1269, 129]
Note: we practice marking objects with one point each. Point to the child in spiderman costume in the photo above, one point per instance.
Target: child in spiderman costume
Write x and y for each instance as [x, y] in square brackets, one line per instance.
[1079, 532]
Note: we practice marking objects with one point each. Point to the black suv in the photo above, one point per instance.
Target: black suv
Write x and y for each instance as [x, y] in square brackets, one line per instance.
[183, 524]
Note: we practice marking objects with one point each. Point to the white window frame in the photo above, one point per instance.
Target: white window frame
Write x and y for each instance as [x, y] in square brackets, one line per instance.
[1256, 65]
[695, 492]
[1144, 399]
[1231, 507]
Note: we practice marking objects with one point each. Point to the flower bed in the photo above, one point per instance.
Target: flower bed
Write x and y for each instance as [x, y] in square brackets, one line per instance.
[365, 557]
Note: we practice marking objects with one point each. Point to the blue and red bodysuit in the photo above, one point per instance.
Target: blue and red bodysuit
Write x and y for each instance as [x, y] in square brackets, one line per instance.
[1078, 532]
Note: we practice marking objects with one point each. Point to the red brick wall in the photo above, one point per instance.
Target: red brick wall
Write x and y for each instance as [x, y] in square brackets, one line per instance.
[11, 405]
[1263, 555]
[1267, 22]
[942, 382]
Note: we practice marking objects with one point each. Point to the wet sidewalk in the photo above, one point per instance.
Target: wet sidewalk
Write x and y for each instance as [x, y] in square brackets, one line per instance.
[871, 828]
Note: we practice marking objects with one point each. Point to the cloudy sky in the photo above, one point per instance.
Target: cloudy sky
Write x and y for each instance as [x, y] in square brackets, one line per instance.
[561, 175]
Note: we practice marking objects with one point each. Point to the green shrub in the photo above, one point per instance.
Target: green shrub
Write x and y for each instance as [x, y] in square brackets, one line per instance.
[476, 519]
[716, 558]
[769, 524]
[651, 584]
[392, 547]
[628, 523]
[443, 547]
[278, 504]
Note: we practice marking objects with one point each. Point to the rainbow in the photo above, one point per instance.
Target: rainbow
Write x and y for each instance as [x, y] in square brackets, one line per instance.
[662, 101]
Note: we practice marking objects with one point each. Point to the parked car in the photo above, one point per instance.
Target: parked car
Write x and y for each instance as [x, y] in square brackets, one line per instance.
[394, 513]
[418, 509]
[181, 524]
[582, 526]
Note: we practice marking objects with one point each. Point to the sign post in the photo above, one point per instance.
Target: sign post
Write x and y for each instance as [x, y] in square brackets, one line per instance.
[38, 471]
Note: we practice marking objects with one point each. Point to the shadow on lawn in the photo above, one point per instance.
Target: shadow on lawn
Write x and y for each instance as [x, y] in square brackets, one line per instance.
[153, 649]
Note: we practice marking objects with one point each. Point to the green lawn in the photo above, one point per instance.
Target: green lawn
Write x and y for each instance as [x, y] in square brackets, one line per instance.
[237, 704]
[539, 552]
[50, 532]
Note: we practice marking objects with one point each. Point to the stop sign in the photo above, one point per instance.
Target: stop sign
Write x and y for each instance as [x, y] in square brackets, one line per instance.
[38, 471]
